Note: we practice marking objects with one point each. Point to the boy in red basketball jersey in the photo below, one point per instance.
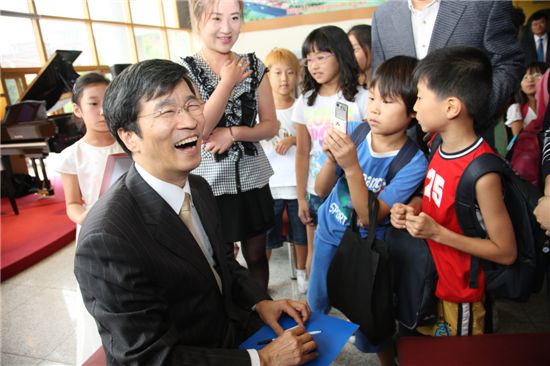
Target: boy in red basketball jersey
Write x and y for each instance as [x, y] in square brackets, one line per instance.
[453, 86]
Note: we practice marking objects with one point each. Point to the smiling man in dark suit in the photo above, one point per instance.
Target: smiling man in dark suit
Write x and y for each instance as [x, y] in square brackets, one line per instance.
[165, 292]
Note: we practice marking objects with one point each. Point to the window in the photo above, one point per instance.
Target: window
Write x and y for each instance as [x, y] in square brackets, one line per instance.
[170, 14]
[60, 8]
[66, 35]
[145, 12]
[19, 49]
[149, 43]
[180, 44]
[113, 44]
[19, 6]
[12, 88]
[113, 10]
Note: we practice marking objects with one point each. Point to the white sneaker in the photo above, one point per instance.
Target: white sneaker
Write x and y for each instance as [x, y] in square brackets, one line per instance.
[302, 281]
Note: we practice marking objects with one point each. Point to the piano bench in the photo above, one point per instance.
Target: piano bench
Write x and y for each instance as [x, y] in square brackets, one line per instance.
[487, 350]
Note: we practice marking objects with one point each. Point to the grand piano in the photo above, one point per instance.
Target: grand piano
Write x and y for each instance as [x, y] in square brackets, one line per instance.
[28, 129]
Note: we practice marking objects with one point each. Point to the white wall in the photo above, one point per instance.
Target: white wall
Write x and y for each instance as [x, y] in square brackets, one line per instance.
[262, 42]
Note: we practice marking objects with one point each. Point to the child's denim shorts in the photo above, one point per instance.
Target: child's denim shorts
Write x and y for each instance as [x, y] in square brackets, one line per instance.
[296, 229]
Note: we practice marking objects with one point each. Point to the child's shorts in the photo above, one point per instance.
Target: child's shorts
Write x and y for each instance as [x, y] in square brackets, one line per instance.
[314, 203]
[457, 319]
[296, 230]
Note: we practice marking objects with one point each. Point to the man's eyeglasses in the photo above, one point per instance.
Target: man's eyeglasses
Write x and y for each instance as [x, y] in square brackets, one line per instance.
[194, 108]
[321, 59]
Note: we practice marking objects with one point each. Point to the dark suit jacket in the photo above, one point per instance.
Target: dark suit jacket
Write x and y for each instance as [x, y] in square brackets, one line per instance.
[530, 48]
[486, 25]
[149, 287]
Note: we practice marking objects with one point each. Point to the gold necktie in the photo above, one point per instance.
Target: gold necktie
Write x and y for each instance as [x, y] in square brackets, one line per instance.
[186, 217]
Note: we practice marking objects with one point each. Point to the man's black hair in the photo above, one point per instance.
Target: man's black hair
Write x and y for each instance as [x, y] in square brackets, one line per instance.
[538, 15]
[145, 80]
[461, 72]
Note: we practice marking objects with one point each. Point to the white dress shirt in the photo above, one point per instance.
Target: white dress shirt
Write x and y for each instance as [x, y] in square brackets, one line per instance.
[423, 22]
[174, 196]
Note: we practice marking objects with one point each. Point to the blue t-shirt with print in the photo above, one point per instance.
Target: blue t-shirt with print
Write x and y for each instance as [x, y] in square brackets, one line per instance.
[335, 213]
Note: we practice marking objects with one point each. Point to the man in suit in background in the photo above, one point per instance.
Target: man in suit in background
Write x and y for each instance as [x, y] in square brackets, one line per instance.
[535, 39]
[165, 292]
[417, 27]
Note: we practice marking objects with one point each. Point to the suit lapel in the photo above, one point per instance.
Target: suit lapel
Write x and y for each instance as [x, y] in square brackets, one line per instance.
[165, 226]
[447, 19]
[401, 21]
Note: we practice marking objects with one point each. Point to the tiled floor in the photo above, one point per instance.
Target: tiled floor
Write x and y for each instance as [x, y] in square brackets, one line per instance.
[38, 309]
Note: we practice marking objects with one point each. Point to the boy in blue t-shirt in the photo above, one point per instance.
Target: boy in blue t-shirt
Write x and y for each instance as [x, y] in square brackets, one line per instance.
[365, 166]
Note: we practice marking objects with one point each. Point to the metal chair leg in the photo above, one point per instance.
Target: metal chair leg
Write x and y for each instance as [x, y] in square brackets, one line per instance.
[291, 260]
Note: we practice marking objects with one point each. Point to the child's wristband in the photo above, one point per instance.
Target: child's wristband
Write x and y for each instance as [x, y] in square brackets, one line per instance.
[231, 133]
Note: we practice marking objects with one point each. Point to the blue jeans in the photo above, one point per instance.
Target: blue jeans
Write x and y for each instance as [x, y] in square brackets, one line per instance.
[317, 295]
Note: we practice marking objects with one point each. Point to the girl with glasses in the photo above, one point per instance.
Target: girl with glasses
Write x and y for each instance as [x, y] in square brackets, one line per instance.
[523, 110]
[330, 76]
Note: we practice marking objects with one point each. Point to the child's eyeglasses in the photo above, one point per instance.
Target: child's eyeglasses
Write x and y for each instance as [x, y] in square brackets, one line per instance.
[319, 60]
[535, 76]
[194, 108]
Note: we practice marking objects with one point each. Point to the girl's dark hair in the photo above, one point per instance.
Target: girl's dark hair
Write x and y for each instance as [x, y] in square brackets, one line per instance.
[394, 79]
[334, 40]
[85, 81]
[520, 97]
[361, 32]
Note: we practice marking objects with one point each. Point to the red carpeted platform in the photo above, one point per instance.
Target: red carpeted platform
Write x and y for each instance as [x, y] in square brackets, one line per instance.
[41, 228]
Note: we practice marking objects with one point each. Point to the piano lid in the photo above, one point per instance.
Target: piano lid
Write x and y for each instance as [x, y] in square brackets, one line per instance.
[55, 78]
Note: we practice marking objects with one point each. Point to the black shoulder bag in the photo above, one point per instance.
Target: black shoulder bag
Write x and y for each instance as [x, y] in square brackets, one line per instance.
[359, 279]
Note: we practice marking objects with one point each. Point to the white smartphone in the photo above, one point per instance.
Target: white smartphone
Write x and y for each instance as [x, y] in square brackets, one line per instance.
[340, 121]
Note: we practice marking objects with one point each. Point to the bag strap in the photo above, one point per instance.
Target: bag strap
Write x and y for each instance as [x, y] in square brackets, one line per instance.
[360, 133]
[465, 202]
[524, 108]
[403, 157]
[374, 206]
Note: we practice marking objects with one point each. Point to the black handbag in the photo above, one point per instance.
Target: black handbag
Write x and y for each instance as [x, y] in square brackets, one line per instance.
[359, 279]
[415, 278]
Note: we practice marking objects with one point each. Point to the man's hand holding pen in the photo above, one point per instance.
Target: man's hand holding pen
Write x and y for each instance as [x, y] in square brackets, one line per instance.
[292, 347]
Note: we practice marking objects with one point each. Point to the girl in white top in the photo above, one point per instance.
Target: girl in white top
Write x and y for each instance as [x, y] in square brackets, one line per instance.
[81, 167]
[330, 76]
[520, 114]
[284, 68]
[82, 164]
